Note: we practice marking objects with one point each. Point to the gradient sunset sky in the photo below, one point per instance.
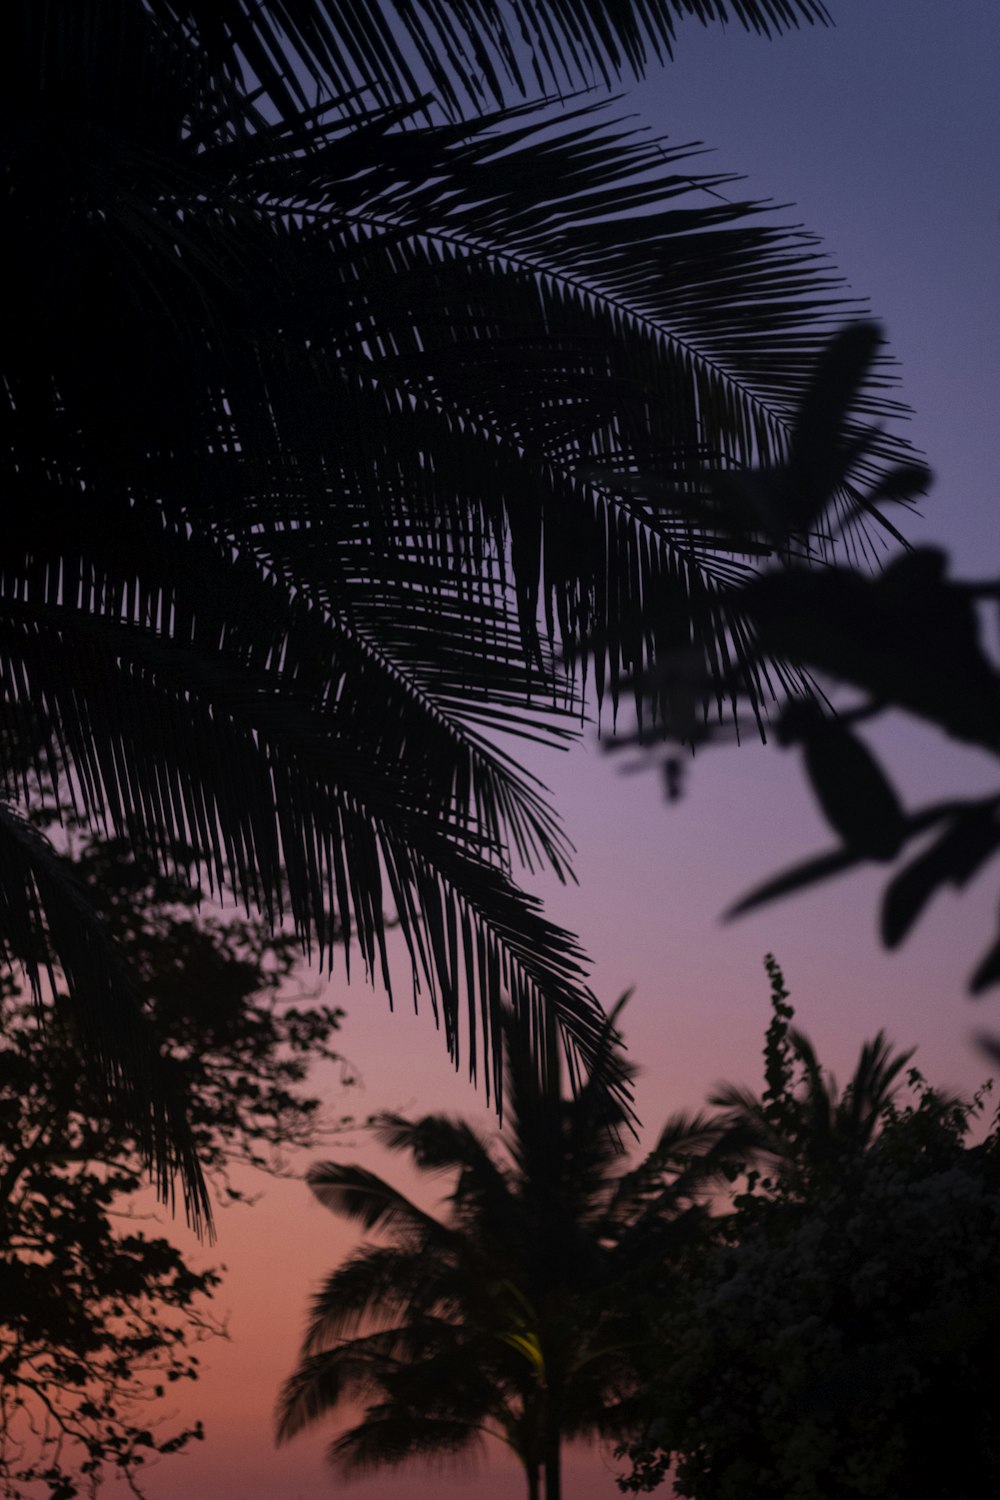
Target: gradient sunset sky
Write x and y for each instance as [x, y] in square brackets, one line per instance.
[883, 134]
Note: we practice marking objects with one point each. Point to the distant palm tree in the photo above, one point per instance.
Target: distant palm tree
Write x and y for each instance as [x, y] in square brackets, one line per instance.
[803, 1120]
[509, 1315]
[337, 433]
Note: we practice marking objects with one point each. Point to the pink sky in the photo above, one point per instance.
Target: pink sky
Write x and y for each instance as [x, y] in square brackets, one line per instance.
[883, 133]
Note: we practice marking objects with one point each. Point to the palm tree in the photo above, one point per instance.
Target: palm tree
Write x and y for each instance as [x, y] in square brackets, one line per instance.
[803, 1123]
[511, 1314]
[337, 431]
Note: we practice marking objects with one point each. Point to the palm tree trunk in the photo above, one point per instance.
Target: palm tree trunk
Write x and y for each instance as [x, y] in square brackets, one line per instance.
[553, 1470]
[553, 1445]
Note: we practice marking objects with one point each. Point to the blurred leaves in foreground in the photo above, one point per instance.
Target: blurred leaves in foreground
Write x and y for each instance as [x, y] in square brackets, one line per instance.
[908, 638]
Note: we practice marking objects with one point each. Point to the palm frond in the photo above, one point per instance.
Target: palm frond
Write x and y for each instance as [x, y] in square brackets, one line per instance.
[469, 51]
[317, 1386]
[683, 1134]
[379, 1286]
[387, 1438]
[678, 341]
[815, 1122]
[743, 1108]
[375, 1204]
[403, 1371]
[437, 1143]
[871, 1087]
[151, 689]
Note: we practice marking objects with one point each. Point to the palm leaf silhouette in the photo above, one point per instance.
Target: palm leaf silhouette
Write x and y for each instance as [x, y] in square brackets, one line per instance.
[470, 51]
[499, 1315]
[340, 440]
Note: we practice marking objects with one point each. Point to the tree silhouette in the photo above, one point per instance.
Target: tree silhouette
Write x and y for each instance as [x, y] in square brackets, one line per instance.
[333, 431]
[510, 1314]
[839, 1337]
[100, 1315]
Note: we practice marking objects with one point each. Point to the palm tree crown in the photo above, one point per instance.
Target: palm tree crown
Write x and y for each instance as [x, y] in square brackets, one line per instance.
[507, 1315]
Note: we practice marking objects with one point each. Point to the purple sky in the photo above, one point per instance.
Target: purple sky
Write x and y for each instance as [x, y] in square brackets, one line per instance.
[883, 135]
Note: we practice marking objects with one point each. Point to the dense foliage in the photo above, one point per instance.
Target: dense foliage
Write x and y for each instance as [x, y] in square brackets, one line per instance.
[840, 1341]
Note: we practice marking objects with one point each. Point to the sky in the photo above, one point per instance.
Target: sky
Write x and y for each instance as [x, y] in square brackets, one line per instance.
[882, 133]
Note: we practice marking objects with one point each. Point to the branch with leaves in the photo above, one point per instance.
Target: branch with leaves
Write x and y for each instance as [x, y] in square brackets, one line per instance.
[100, 1318]
[906, 639]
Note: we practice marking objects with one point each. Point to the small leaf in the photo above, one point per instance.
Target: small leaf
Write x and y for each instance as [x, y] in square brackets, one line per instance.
[953, 858]
[902, 483]
[854, 793]
[798, 878]
[988, 972]
[840, 373]
[990, 1045]
[816, 461]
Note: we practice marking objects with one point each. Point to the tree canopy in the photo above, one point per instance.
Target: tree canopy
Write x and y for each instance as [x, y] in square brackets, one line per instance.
[839, 1340]
[100, 1315]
